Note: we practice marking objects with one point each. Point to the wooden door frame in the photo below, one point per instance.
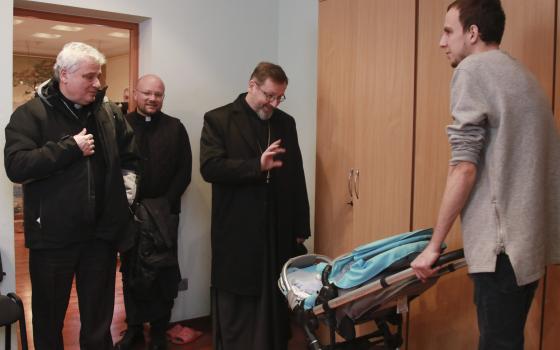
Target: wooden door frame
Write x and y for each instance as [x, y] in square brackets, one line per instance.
[132, 27]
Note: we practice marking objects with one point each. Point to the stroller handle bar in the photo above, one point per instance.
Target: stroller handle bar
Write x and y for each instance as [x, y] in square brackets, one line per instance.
[449, 257]
[450, 262]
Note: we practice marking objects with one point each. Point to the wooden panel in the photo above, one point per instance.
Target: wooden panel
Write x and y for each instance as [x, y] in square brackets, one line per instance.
[551, 321]
[384, 117]
[433, 320]
[52, 16]
[557, 77]
[335, 132]
[133, 64]
[529, 38]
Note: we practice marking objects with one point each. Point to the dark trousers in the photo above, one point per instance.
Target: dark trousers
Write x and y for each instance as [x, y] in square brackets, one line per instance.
[241, 322]
[502, 307]
[52, 271]
[234, 321]
[156, 311]
[152, 303]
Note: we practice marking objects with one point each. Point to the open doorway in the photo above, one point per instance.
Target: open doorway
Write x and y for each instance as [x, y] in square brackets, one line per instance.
[38, 37]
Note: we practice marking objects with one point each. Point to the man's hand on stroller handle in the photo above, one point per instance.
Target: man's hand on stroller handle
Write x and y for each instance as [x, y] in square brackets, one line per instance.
[423, 264]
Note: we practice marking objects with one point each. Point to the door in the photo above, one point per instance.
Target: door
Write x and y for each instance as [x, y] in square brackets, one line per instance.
[384, 106]
[335, 127]
[364, 133]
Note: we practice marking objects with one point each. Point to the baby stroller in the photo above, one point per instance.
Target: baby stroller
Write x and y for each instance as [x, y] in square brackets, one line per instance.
[372, 283]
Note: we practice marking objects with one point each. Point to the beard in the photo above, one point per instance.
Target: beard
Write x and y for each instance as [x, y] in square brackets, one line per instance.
[460, 56]
[264, 113]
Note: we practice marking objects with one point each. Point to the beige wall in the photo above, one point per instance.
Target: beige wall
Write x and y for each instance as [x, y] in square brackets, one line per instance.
[117, 77]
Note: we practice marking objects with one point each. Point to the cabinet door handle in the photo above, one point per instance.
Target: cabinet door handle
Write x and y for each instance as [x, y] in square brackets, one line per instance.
[357, 183]
[349, 184]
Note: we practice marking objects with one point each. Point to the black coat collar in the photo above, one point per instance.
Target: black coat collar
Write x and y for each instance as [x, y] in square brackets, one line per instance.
[240, 117]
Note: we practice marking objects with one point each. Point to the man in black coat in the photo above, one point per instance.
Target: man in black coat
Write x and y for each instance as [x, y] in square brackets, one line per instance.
[151, 285]
[71, 150]
[249, 151]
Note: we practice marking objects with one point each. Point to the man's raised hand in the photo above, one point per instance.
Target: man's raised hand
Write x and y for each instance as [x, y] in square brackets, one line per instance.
[267, 158]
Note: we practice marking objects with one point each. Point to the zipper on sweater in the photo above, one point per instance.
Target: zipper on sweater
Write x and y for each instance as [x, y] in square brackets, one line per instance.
[500, 246]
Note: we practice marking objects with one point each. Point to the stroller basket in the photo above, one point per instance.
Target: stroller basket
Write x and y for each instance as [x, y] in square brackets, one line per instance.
[372, 283]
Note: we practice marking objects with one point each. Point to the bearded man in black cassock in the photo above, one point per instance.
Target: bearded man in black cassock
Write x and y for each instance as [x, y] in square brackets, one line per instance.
[150, 286]
[249, 151]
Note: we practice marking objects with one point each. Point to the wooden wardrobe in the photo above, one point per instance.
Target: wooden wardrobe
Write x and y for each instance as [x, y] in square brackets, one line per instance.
[382, 150]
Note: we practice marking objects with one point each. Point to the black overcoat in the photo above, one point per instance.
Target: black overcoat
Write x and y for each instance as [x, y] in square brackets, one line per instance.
[57, 179]
[230, 160]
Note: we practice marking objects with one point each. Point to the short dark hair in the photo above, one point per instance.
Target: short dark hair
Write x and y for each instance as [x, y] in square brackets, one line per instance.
[265, 70]
[487, 15]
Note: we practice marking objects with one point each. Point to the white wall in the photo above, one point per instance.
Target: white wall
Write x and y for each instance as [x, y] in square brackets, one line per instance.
[297, 54]
[205, 51]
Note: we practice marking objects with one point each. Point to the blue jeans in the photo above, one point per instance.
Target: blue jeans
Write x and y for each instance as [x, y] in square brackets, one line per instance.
[502, 307]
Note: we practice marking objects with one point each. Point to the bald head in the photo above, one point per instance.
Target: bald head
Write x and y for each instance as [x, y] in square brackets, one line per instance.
[149, 94]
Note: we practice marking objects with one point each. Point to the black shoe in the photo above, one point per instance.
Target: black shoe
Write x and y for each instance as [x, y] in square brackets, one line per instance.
[131, 336]
[158, 341]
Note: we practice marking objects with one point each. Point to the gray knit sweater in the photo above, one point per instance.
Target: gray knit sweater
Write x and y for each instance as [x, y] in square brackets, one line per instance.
[503, 123]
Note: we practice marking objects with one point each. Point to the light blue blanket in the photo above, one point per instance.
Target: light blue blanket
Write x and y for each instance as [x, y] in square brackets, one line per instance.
[369, 260]
[364, 263]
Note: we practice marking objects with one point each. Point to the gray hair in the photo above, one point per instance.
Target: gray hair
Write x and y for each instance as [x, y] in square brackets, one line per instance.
[73, 53]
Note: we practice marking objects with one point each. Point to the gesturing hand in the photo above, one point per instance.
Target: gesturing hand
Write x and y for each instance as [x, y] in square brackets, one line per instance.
[267, 158]
[85, 142]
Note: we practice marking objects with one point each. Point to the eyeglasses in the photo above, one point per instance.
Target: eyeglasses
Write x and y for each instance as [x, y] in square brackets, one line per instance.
[157, 95]
[270, 98]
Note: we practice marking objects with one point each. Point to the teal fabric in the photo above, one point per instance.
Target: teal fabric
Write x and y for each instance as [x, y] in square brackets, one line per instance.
[309, 302]
[369, 260]
[359, 271]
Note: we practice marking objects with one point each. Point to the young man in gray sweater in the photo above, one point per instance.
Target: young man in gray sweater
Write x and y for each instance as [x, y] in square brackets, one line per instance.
[504, 174]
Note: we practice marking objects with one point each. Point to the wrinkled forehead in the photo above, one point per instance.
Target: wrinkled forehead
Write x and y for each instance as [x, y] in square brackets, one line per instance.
[85, 65]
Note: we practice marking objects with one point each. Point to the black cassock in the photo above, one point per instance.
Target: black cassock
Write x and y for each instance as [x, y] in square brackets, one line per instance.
[165, 173]
[256, 218]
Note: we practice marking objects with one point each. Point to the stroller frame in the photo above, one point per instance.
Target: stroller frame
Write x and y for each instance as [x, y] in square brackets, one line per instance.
[385, 313]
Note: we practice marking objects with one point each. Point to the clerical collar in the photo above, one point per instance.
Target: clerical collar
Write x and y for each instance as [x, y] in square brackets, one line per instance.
[147, 118]
[76, 106]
